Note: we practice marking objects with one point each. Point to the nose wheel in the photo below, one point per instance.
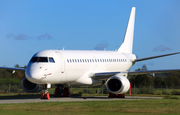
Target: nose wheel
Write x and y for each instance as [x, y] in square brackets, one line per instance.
[45, 94]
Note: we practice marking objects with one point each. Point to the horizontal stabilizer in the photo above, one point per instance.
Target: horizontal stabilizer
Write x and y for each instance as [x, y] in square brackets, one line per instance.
[147, 58]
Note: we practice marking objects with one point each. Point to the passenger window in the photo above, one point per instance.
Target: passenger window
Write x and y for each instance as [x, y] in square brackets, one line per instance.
[52, 60]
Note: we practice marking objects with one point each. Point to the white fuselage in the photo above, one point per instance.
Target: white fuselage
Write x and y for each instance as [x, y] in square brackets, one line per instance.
[75, 67]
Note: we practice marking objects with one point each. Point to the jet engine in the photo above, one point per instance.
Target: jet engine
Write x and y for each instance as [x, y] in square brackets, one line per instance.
[30, 87]
[118, 85]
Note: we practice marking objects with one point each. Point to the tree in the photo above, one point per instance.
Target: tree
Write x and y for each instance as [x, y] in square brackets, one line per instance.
[159, 81]
[16, 66]
[173, 80]
[143, 68]
[141, 80]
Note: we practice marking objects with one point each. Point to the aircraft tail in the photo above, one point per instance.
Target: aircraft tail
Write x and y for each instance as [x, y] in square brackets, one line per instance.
[127, 44]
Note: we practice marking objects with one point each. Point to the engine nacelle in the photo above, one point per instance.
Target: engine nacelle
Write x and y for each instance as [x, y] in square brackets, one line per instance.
[30, 87]
[118, 85]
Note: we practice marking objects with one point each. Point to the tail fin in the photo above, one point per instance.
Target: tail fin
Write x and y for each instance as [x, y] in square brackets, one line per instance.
[127, 45]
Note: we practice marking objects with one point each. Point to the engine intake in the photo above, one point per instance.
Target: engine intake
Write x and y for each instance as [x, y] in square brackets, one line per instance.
[30, 87]
[118, 85]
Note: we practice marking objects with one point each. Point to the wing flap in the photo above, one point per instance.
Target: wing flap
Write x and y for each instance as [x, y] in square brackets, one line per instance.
[152, 71]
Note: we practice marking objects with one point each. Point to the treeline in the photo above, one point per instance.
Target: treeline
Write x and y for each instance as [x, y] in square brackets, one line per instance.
[7, 77]
[157, 80]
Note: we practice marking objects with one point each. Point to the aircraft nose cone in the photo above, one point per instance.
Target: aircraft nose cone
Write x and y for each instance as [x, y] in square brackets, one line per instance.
[34, 76]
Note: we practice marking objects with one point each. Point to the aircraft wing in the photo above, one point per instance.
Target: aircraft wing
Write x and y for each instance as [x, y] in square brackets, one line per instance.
[10, 68]
[106, 75]
[152, 71]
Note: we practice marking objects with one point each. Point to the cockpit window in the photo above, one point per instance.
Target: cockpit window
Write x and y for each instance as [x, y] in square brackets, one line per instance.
[43, 59]
[51, 60]
[39, 59]
[34, 59]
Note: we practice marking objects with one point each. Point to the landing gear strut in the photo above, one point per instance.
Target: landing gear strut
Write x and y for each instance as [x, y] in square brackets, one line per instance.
[62, 91]
[45, 94]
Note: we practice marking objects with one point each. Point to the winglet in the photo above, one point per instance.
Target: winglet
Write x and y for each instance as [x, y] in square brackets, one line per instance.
[127, 45]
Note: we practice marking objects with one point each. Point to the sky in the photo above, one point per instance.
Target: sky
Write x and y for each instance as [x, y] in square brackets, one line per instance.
[27, 27]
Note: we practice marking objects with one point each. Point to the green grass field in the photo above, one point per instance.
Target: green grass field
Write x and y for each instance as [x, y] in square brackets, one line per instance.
[169, 105]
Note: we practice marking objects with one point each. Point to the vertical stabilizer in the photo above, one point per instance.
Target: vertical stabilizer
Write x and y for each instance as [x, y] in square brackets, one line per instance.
[127, 45]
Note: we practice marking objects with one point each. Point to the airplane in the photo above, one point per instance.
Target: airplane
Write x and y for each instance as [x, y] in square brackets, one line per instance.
[85, 68]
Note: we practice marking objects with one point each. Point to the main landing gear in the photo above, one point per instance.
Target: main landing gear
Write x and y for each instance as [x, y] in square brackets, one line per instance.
[111, 95]
[45, 94]
[62, 91]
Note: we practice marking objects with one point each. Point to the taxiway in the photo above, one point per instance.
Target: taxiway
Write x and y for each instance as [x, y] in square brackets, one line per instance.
[68, 99]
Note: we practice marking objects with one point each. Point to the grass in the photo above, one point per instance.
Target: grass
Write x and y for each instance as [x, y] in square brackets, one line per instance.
[127, 107]
[169, 105]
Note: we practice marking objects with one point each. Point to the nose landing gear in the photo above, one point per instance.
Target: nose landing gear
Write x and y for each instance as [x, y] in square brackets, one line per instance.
[45, 94]
[60, 91]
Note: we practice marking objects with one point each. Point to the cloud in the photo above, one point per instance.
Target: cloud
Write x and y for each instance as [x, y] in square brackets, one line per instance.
[10, 35]
[22, 37]
[161, 48]
[26, 37]
[44, 36]
[101, 46]
[19, 37]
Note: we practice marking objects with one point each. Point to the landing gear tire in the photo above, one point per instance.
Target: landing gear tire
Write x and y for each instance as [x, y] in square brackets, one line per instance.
[111, 95]
[62, 91]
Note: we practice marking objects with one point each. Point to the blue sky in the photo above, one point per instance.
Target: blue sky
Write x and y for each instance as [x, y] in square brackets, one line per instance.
[27, 27]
